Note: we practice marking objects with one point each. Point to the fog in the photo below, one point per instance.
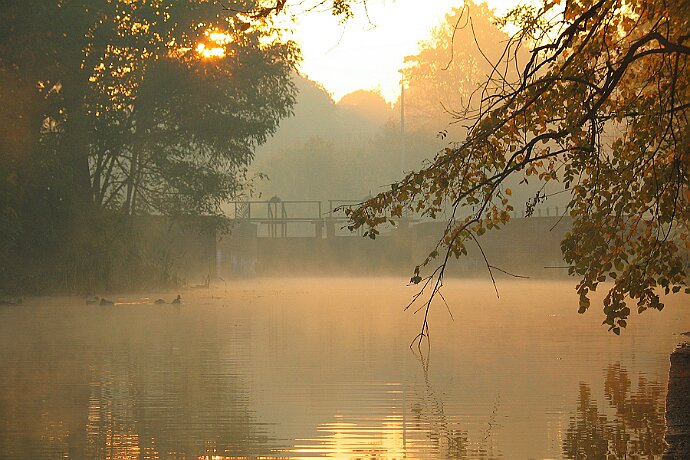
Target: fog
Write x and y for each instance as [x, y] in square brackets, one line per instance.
[342, 151]
[179, 277]
[304, 368]
[354, 148]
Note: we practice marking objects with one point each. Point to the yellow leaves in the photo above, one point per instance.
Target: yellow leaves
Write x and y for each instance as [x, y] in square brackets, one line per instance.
[139, 27]
[622, 159]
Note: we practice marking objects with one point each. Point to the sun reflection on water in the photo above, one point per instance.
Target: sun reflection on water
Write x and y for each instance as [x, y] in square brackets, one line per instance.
[209, 381]
[346, 440]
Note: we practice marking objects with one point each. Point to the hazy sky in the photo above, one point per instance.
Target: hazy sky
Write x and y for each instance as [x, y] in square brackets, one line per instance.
[368, 51]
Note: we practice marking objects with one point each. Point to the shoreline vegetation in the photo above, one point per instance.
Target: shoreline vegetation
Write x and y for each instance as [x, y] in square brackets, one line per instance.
[114, 254]
[155, 253]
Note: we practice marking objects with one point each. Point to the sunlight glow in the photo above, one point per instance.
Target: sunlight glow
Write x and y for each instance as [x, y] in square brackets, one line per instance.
[367, 51]
[216, 48]
[220, 37]
[210, 52]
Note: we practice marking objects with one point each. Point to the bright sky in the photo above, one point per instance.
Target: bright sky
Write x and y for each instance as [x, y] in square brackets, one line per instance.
[368, 51]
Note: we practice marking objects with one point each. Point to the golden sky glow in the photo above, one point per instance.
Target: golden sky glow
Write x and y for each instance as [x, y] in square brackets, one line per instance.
[368, 51]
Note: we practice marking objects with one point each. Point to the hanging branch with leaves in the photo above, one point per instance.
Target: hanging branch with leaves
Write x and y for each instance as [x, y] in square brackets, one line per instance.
[600, 108]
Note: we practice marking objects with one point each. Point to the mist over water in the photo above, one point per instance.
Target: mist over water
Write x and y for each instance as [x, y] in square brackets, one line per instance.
[185, 149]
[321, 368]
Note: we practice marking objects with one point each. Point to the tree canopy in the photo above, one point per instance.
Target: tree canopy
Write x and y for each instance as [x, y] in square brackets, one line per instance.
[451, 66]
[116, 108]
[599, 107]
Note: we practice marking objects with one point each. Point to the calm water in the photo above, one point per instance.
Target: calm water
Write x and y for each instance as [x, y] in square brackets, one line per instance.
[322, 368]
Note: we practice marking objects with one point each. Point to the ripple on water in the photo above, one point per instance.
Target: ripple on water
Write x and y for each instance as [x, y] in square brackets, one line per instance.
[293, 369]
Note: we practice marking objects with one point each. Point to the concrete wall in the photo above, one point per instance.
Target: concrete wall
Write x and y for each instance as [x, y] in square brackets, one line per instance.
[524, 246]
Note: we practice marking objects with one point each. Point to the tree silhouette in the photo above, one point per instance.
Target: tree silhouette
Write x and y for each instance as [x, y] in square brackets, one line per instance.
[117, 108]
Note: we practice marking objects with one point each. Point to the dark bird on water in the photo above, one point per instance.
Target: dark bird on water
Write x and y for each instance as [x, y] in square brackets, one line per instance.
[178, 300]
[105, 302]
[160, 302]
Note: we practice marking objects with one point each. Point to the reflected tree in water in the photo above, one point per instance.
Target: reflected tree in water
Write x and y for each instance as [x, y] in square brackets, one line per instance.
[183, 404]
[586, 435]
[636, 426]
[641, 414]
[449, 439]
[148, 390]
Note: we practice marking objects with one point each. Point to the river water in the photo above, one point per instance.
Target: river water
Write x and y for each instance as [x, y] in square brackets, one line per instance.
[291, 368]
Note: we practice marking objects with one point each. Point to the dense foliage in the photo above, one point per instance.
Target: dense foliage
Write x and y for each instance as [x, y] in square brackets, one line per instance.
[600, 107]
[115, 108]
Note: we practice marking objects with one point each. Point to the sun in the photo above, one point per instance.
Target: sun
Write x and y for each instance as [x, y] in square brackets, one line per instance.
[215, 44]
[209, 53]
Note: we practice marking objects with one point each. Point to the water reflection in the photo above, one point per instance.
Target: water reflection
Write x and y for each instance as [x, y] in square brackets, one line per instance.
[445, 432]
[298, 372]
[177, 400]
[415, 425]
[635, 427]
[128, 394]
